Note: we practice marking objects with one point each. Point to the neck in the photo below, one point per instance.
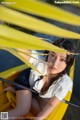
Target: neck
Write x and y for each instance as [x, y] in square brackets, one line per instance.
[49, 75]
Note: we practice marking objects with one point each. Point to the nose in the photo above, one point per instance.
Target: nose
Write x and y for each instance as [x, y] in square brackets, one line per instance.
[56, 62]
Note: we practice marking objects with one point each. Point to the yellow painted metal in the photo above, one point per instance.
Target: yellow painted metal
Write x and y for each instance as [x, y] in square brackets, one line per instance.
[3, 99]
[59, 111]
[12, 71]
[12, 99]
[72, 71]
[15, 39]
[4, 104]
[34, 24]
[5, 107]
[45, 10]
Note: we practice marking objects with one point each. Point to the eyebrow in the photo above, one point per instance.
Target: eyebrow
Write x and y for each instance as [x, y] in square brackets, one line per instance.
[63, 57]
[60, 56]
[53, 52]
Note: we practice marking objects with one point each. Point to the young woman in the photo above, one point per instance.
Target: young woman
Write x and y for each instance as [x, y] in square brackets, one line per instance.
[50, 88]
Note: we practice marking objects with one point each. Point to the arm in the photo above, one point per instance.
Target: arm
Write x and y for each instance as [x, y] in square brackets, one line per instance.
[52, 103]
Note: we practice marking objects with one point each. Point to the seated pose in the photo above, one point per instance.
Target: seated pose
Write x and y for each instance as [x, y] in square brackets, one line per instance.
[51, 87]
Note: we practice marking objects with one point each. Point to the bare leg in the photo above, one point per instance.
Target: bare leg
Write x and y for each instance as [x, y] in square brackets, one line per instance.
[42, 102]
[23, 104]
[38, 104]
[35, 107]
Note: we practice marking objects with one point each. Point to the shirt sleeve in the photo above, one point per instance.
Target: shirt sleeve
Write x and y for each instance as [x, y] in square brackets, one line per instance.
[62, 90]
[61, 93]
[33, 60]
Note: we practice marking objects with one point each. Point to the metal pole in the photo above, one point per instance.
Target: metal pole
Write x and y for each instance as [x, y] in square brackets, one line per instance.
[25, 88]
[16, 84]
[69, 103]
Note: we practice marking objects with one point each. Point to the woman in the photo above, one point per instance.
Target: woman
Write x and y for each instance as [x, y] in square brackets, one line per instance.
[50, 88]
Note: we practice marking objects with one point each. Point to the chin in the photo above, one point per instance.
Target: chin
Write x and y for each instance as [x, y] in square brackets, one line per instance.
[53, 72]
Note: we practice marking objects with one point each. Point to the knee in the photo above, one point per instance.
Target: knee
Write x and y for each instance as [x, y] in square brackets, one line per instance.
[22, 111]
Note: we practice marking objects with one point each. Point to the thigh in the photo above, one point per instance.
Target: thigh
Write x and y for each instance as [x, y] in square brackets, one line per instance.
[35, 106]
[23, 104]
[42, 102]
[23, 100]
[38, 104]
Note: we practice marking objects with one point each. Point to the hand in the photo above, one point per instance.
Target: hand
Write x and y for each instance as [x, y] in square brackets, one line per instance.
[10, 88]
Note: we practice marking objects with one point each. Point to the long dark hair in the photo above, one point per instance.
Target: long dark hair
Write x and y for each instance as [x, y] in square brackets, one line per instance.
[68, 45]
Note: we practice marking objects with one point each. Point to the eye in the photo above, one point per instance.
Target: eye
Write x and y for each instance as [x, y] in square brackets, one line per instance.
[52, 55]
[63, 60]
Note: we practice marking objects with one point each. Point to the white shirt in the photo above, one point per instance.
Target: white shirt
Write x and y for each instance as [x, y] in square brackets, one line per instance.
[59, 88]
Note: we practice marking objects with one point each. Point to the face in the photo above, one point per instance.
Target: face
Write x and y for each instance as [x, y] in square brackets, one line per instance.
[57, 62]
